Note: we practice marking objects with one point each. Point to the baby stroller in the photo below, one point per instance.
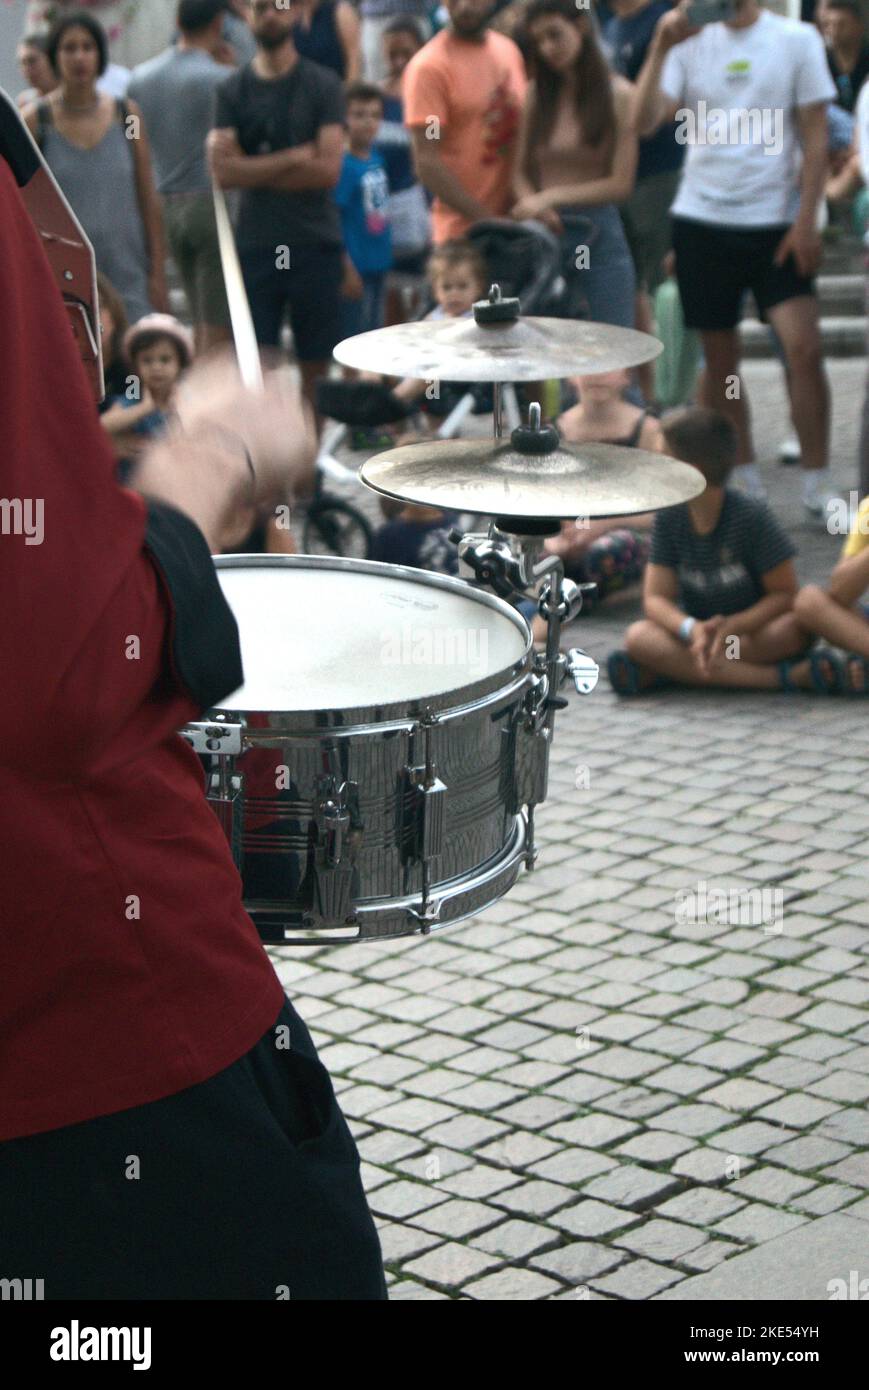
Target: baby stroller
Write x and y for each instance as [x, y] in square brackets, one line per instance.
[524, 258]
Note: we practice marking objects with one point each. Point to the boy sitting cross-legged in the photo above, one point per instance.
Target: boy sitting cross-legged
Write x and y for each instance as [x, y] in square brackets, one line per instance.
[720, 583]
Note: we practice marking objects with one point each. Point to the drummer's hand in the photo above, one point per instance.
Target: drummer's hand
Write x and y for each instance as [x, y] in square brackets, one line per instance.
[276, 426]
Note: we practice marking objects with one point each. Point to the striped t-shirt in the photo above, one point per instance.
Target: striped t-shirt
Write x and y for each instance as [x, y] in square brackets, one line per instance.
[722, 572]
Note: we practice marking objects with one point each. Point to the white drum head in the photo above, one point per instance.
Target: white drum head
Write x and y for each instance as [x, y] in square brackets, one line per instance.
[334, 635]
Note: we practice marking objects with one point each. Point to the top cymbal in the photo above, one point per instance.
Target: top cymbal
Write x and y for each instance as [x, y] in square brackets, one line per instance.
[524, 349]
[497, 479]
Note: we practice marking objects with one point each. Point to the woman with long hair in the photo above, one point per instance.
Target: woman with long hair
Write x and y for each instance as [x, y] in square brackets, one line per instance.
[577, 159]
[97, 149]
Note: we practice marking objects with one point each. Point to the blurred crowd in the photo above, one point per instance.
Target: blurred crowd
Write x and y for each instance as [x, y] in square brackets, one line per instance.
[677, 168]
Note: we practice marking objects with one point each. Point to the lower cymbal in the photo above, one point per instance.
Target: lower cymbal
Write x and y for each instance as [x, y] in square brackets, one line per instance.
[589, 480]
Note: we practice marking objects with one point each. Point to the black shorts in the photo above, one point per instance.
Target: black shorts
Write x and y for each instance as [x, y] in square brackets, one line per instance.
[247, 1187]
[716, 265]
[309, 290]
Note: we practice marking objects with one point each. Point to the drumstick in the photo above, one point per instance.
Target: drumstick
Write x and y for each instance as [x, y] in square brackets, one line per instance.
[246, 347]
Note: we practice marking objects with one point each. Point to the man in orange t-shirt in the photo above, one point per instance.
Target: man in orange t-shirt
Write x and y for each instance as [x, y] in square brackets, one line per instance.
[463, 95]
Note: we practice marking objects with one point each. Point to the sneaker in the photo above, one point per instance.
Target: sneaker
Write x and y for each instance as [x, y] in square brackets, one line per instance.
[789, 450]
[820, 506]
[748, 486]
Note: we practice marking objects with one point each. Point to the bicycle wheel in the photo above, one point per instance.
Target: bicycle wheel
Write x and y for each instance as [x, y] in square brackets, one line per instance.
[333, 527]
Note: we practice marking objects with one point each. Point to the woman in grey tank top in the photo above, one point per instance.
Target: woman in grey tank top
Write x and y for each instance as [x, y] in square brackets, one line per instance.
[105, 175]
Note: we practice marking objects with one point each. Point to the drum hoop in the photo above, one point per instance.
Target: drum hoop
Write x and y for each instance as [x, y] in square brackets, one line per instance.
[388, 715]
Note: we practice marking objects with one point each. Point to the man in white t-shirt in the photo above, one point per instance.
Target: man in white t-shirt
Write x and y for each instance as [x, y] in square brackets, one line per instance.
[750, 100]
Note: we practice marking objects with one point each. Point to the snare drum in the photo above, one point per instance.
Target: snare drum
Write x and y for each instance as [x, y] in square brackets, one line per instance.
[375, 772]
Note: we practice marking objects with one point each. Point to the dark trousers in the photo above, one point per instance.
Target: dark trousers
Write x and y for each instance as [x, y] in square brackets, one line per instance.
[244, 1187]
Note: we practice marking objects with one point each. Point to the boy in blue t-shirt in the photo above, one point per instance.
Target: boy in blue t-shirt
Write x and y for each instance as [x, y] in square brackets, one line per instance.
[362, 196]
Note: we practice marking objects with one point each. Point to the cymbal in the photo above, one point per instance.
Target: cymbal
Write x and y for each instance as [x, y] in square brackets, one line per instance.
[589, 480]
[524, 349]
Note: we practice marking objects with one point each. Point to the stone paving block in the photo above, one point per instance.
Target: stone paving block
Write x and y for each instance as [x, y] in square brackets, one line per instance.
[593, 1131]
[513, 1036]
[517, 1240]
[414, 1114]
[512, 1285]
[800, 1111]
[457, 1218]
[860, 1209]
[693, 1119]
[811, 1152]
[710, 1165]
[710, 1019]
[464, 1132]
[673, 1041]
[853, 1169]
[478, 1181]
[850, 1125]
[518, 1149]
[832, 1018]
[388, 1070]
[659, 1005]
[436, 1047]
[401, 1199]
[856, 1059]
[848, 1086]
[654, 1146]
[390, 1145]
[702, 1206]
[757, 1223]
[638, 1280]
[778, 1186]
[583, 1089]
[481, 1061]
[765, 1032]
[623, 1063]
[401, 1242]
[791, 1073]
[620, 1027]
[573, 1165]
[484, 1095]
[634, 1102]
[741, 1094]
[535, 1198]
[775, 1003]
[591, 1219]
[531, 1075]
[661, 1240]
[827, 1197]
[452, 1265]
[405, 1290]
[580, 1261]
[725, 1054]
[385, 1035]
[708, 1256]
[466, 1020]
[536, 1112]
[632, 1187]
[684, 1078]
[360, 1100]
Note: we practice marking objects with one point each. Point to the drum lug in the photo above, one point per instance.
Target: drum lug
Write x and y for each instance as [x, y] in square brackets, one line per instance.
[224, 792]
[333, 875]
[533, 739]
[430, 812]
[213, 736]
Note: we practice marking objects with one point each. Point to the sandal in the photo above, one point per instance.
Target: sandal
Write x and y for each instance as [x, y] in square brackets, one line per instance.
[851, 661]
[827, 671]
[625, 676]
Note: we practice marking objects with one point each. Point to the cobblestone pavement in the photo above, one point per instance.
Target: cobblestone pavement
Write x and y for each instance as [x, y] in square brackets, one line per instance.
[584, 1092]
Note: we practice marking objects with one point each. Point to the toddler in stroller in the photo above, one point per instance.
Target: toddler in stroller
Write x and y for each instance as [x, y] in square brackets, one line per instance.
[524, 259]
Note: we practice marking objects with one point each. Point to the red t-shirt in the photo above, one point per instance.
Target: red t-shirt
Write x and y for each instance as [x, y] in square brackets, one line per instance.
[129, 969]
